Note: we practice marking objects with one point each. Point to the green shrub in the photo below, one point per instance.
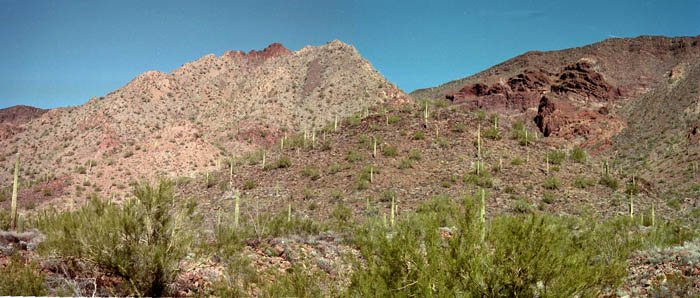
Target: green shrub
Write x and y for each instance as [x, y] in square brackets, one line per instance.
[556, 157]
[354, 156]
[281, 163]
[632, 189]
[394, 119]
[143, 241]
[608, 181]
[492, 133]
[519, 252]
[404, 163]
[20, 279]
[249, 184]
[516, 161]
[341, 213]
[335, 168]
[521, 206]
[309, 193]
[442, 143]
[418, 135]
[458, 128]
[311, 173]
[390, 151]
[548, 197]
[387, 195]
[551, 182]
[583, 182]
[415, 154]
[483, 179]
[578, 155]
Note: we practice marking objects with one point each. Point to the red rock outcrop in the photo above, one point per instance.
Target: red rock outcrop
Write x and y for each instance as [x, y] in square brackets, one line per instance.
[581, 79]
[273, 50]
[20, 114]
[520, 92]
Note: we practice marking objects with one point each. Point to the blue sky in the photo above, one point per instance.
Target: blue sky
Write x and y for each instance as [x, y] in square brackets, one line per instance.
[61, 53]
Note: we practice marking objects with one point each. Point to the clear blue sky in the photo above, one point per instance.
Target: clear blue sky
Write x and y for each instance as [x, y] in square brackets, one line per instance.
[60, 53]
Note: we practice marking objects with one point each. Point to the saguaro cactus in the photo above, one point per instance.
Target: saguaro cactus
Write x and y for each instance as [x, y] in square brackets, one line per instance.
[374, 151]
[478, 141]
[482, 214]
[425, 114]
[235, 210]
[393, 208]
[13, 208]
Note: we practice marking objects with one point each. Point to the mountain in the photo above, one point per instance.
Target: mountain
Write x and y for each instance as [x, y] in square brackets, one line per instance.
[634, 100]
[182, 123]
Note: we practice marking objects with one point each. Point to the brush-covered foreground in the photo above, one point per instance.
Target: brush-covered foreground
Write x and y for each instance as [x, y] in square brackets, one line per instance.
[148, 246]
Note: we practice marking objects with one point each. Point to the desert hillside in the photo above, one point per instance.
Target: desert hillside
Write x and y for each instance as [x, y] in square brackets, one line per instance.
[182, 123]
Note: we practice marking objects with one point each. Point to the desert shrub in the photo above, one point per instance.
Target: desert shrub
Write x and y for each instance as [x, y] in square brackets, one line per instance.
[281, 163]
[415, 154]
[556, 157]
[390, 151]
[404, 163]
[311, 173]
[551, 182]
[255, 157]
[483, 179]
[442, 143]
[578, 155]
[458, 128]
[519, 252]
[632, 189]
[143, 241]
[548, 197]
[20, 279]
[309, 193]
[335, 168]
[353, 156]
[394, 119]
[249, 184]
[326, 145]
[516, 161]
[418, 135]
[608, 181]
[521, 206]
[387, 195]
[583, 182]
[523, 136]
[341, 213]
[492, 133]
[354, 120]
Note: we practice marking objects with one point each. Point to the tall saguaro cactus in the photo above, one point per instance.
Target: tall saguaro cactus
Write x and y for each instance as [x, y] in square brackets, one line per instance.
[482, 214]
[13, 208]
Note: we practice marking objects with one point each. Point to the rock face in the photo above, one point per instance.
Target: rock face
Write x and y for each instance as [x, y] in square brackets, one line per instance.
[582, 80]
[273, 50]
[19, 114]
[12, 119]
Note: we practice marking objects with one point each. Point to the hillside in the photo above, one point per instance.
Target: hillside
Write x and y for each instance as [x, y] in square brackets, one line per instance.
[179, 124]
[633, 100]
